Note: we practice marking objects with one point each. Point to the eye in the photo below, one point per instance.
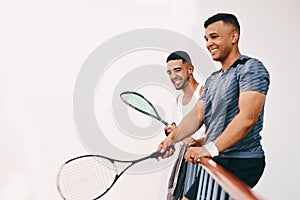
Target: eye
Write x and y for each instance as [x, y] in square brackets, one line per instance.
[211, 37]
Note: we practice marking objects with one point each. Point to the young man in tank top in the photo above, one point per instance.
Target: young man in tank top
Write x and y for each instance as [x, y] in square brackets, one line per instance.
[180, 71]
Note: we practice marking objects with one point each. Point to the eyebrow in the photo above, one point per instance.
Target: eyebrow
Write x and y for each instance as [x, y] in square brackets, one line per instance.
[174, 69]
[210, 34]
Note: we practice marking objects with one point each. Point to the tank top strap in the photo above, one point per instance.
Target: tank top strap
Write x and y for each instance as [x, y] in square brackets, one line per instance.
[197, 91]
[179, 107]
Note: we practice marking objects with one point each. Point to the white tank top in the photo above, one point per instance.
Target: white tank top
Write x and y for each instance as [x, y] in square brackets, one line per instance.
[182, 110]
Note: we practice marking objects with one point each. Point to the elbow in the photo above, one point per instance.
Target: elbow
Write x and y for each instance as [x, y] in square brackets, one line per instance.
[250, 123]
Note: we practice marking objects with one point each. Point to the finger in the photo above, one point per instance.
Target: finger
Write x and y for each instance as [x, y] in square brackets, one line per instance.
[195, 160]
[193, 144]
[190, 159]
[159, 148]
[168, 130]
[188, 156]
[168, 153]
[202, 140]
[165, 155]
[163, 147]
[191, 155]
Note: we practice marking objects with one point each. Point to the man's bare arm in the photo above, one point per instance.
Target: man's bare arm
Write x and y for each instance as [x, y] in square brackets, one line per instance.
[250, 105]
[190, 123]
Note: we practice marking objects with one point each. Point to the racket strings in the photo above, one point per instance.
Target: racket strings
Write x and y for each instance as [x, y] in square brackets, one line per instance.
[140, 103]
[86, 179]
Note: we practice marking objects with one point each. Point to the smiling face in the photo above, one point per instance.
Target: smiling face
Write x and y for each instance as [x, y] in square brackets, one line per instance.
[179, 73]
[221, 40]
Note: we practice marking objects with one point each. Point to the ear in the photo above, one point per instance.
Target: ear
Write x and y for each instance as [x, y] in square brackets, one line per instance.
[190, 69]
[234, 37]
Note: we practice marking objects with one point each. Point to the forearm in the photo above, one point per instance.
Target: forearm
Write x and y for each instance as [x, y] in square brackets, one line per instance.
[239, 127]
[250, 105]
[189, 124]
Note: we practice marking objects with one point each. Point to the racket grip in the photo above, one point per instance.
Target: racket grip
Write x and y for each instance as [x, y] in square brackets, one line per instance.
[173, 124]
[166, 133]
[159, 154]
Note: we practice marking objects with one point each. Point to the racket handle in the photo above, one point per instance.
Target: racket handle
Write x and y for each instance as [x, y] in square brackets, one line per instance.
[173, 124]
[166, 133]
[159, 154]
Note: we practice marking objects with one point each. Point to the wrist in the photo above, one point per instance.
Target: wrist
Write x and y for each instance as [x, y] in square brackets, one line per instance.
[212, 149]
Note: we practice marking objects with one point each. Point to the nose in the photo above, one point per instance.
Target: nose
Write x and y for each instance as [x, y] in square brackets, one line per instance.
[208, 43]
[172, 75]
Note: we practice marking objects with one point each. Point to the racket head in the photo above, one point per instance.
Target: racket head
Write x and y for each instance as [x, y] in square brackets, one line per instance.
[141, 104]
[86, 177]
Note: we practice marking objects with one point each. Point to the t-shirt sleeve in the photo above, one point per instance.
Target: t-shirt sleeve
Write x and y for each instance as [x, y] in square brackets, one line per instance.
[254, 76]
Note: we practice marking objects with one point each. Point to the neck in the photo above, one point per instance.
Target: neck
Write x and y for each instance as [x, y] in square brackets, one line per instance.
[190, 88]
[230, 59]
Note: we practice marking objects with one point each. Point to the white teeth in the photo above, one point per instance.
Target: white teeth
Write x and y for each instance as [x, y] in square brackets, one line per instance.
[213, 50]
[177, 81]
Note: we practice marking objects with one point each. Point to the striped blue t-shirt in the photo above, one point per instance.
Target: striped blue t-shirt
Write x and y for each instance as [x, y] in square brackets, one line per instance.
[221, 97]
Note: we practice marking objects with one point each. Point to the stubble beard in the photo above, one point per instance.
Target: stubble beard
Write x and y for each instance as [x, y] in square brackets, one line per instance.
[184, 84]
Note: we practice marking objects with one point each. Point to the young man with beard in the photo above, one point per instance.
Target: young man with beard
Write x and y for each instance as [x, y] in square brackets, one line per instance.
[180, 70]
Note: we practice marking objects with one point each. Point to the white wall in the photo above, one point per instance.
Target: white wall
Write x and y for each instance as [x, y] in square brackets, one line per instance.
[45, 43]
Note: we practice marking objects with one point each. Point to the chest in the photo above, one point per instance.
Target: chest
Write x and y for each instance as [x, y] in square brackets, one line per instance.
[225, 86]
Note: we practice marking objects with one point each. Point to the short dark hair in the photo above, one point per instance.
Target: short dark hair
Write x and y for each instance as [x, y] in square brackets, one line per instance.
[179, 55]
[225, 17]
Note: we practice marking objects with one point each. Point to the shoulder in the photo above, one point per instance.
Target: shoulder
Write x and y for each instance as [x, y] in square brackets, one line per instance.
[252, 64]
[253, 76]
[212, 76]
[215, 73]
[201, 90]
[253, 69]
